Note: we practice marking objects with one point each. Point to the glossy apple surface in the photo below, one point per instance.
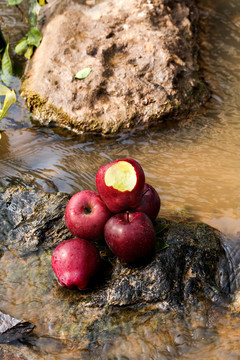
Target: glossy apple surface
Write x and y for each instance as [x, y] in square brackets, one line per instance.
[150, 203]
[75, 262]
[120, 184]
[86, 215]
[130, 235]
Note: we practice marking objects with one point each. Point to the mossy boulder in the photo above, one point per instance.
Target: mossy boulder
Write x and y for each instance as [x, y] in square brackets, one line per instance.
[143, 58]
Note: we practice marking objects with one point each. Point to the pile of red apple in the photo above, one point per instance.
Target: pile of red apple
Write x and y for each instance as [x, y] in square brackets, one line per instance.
[122, 211]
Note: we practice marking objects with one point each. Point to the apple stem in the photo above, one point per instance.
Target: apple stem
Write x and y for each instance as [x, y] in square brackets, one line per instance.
[145, 191]
[127, 216]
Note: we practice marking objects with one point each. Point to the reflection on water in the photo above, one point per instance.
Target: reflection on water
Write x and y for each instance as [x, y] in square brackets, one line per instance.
[195, 169]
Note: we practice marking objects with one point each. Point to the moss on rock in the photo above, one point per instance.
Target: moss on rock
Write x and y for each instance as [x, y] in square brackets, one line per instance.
[143, 66]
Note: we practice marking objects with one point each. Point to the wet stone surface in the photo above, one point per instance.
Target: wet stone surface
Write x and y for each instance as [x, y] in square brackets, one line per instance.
[193, 271]
[194, 265]
[31, 218]
[143, 56]
[12, 329]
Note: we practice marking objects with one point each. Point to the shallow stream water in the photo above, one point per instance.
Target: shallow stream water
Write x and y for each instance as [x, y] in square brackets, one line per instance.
[195, 169]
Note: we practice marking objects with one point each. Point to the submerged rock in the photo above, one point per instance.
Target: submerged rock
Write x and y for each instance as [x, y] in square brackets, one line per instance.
[12, 329]
[143, 57]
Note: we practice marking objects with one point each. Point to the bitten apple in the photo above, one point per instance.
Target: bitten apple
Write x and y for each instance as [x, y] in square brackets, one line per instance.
[120, 184]
[130, 235]
[75, 262]
[86, 215]
[150, 203]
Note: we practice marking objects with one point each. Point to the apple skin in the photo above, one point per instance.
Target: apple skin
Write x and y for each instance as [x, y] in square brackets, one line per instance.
[86, 215]
[130, 235]
[150, 203]
[116, 200]
[75, 262]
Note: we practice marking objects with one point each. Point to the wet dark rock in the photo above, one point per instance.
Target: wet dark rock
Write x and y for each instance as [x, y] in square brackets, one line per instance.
[12, 329]
[192, 274]
[194, 266]
[30, 218]
[143, 57]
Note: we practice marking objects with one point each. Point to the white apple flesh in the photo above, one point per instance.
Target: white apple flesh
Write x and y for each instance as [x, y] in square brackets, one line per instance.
[120, 184]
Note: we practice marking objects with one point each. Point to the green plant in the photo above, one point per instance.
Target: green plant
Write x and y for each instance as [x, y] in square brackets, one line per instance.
[31, 41]
[9, 99]
[27, 45]
[8, 96]
[33, 38]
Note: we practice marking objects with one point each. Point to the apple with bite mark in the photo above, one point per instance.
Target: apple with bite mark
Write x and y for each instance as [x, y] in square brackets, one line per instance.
[120, 184]
[86, 215]
[150, 203]
[75, 262]
[130, 235]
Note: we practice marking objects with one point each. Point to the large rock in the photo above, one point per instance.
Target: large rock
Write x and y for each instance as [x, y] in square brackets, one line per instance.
[192, 268]
[194, 265]
[143, 57]
[195, 271]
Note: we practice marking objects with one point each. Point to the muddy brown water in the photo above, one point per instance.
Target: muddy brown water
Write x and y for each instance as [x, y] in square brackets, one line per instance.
[195, 169]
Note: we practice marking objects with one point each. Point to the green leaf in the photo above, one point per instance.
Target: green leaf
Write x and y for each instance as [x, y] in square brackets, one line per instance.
[82, 74]
[159, 228]
[29, 52]
[10, 98]
[34, 37]
[21, 46]
[14, 2]
[160, 244]
[34, 10]
[6, 66]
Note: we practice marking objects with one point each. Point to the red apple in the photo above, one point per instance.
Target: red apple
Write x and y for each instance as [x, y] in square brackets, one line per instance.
[130, 235]
[150, 203]
[86, 215]
[75, 262]
[120, 184]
